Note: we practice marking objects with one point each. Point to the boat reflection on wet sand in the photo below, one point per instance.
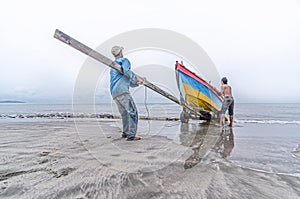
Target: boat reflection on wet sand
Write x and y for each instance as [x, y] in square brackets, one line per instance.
[204, 138]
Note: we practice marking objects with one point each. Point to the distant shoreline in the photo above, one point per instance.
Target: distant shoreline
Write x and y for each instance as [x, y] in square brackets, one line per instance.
[11, 102]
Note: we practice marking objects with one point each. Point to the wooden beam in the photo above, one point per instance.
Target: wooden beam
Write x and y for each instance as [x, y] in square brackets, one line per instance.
[105, 60]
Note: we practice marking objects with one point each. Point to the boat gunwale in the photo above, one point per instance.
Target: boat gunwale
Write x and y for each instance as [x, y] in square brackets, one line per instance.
[186, 71]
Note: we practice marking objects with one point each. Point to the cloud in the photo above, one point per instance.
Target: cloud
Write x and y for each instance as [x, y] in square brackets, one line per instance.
[247, 40]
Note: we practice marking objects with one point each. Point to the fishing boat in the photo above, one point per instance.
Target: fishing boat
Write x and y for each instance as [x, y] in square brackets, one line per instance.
[197, 93]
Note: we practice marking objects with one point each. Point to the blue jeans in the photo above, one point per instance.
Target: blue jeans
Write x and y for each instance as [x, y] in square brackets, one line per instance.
[129, 114]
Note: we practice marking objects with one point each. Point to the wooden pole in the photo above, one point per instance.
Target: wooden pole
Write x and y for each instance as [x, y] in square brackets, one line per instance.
[105, 60]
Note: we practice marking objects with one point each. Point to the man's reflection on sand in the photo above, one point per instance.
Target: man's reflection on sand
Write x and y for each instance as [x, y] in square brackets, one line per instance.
[226, 143]
[204, 138]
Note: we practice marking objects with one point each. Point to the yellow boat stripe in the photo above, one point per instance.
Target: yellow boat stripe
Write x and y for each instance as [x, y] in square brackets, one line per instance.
[196, 98]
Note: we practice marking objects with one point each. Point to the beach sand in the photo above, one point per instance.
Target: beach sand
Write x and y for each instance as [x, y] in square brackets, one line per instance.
[88, 159]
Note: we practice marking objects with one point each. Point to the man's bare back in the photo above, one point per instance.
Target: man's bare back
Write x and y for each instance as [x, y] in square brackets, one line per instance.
[226, 90]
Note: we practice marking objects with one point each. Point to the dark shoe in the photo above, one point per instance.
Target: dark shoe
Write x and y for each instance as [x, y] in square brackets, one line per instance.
[134, 138]
[124, 135]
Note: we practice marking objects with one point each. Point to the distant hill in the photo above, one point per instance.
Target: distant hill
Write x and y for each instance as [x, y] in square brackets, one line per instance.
[11, 101]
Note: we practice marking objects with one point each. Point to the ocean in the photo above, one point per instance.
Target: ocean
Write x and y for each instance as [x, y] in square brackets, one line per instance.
[267, 113]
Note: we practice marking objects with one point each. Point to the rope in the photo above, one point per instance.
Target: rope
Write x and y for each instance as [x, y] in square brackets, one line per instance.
[145, 103]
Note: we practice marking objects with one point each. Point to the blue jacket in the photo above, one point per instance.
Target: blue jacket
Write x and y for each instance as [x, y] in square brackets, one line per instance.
[119, 83]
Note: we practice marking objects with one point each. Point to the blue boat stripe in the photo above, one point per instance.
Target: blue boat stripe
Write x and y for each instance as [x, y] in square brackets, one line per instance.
[183, 78]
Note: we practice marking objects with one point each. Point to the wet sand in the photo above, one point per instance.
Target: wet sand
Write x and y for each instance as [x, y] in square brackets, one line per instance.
[297, 151]
[58, 159]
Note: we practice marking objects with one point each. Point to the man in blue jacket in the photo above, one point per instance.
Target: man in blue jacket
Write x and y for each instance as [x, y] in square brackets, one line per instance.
[119, 89]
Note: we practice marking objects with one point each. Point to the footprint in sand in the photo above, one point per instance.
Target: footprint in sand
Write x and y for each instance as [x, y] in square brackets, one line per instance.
[44, 153]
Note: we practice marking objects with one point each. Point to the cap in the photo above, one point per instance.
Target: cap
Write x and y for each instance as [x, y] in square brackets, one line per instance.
[116, 50]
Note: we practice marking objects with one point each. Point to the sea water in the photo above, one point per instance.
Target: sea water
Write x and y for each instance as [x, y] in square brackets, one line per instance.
[244, 113]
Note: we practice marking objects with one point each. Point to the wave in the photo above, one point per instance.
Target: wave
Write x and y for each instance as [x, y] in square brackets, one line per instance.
[57, 115]
[142, 117]
[79, 115]
[267, 121]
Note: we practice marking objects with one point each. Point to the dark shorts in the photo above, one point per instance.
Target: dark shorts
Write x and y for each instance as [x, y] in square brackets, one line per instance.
[228, 104]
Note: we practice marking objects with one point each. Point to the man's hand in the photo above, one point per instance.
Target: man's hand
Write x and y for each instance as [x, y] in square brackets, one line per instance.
[139, 81]
[215, 89]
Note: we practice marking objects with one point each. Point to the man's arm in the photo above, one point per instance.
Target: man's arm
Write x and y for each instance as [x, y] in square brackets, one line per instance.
[219, 93]
[138, 82]
[133, 79]
[222, 90]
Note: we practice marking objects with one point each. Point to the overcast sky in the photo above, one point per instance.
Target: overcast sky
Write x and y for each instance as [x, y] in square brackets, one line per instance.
[255, 43]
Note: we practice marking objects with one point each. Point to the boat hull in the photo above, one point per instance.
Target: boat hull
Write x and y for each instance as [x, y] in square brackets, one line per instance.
[196, 92]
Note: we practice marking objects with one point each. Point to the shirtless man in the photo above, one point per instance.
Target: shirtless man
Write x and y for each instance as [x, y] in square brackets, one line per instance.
[228, 102]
